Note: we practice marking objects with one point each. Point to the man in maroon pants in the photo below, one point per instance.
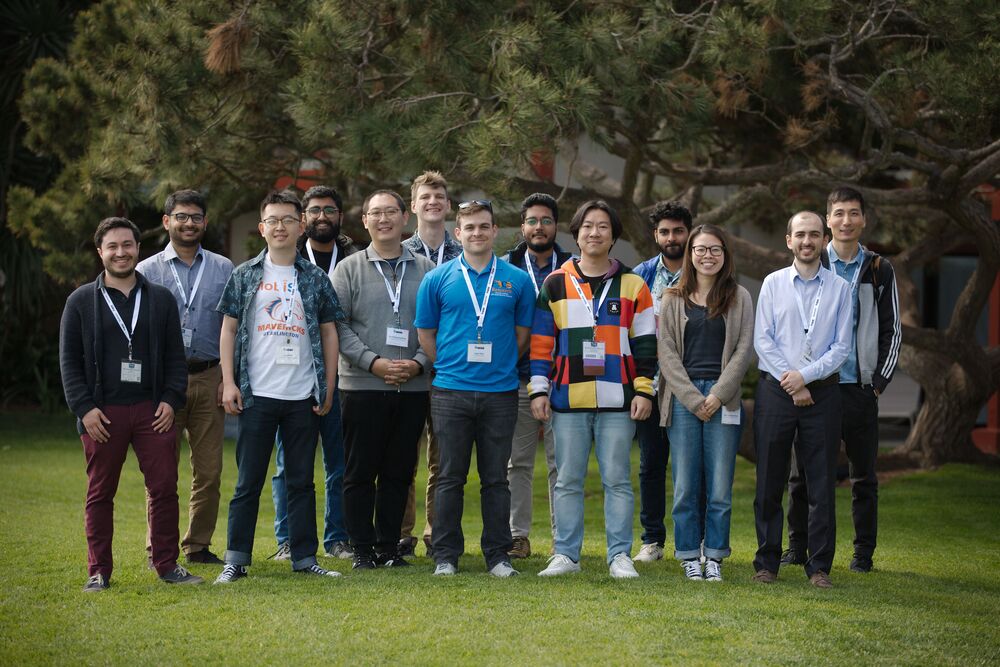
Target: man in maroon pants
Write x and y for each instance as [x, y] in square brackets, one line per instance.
[124, 375]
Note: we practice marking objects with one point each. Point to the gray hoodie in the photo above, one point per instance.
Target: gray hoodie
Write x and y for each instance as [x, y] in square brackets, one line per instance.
[365, 300]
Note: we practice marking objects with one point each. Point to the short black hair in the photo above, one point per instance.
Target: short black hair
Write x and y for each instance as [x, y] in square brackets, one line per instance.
[322, 192]
[670, 210]
[282, 197]
[192, 197]
[581, 213]
[540, 199]
[842, 194]
[392, 193]
[108, 224]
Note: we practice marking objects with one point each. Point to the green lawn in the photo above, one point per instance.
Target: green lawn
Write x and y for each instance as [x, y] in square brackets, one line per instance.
[934, 597]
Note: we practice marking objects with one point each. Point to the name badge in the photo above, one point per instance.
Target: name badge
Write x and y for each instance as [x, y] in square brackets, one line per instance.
[480, 352]
[593, 358]
[288, 353]
[131, 371]
[730, 416]
[397, 337]
[188, 336]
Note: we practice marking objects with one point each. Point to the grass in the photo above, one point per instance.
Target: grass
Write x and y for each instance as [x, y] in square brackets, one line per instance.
[934, 598]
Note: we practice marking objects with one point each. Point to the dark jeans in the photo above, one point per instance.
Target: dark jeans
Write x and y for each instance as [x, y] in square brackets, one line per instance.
[381, 433]
[157, 457]
[487, 419]
[859, 425]
[654, 451]
[776, 422]
[299, 429]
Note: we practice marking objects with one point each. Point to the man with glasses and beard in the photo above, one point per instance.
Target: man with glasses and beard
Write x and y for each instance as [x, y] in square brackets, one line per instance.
[195, 276]
[671, 223]
[323, 245]
[539, 255]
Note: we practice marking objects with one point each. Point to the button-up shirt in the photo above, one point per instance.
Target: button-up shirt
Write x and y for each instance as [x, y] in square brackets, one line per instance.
[319, 301]
[847, 271]
[452, 248]
[204, 321]
[779, 331]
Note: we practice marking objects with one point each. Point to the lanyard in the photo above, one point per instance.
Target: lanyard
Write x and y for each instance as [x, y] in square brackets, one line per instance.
[118, 318]
[480, 312]
[586, 302]
[393, 295]
[333, 260]
[427, 251]
[531, 273]
[857, 270]
[293, 289]
[811, 322]
[188, 300]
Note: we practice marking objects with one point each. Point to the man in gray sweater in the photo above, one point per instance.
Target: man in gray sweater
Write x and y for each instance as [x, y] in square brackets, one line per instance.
[383, 380]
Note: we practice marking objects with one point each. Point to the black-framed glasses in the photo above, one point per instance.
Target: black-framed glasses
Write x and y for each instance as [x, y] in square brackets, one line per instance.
[485, 203]
[196, 218]
[314, 211]
[702, 250]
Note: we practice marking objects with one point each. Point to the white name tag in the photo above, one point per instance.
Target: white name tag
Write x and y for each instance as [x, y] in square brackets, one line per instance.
[480, 352]
[188, 336]
[288, 354]
[131, 371]
[397, 337]
[730, 416]
[593, 358]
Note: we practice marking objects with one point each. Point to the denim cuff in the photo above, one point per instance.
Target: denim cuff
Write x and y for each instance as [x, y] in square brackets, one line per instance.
[717, 554]
[304, 563]
[688, 555]
[237, 557]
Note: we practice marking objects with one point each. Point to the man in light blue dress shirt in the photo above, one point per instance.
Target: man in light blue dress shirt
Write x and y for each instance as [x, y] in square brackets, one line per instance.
[802, 336]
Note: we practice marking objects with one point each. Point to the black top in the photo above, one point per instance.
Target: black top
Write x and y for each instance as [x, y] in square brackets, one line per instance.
[323, 259]
[704, 338]
[115, 347]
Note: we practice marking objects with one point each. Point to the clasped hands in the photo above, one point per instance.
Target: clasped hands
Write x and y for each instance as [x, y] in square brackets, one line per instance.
[795, 386]
[395, 371]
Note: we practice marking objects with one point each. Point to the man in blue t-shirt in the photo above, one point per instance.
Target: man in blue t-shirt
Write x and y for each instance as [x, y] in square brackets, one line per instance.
[474, 320]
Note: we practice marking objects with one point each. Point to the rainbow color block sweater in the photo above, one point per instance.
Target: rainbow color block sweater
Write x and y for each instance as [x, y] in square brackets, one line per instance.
[625, 324]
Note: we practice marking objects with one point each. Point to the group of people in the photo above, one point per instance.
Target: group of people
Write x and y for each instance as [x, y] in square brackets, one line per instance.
[365, 347]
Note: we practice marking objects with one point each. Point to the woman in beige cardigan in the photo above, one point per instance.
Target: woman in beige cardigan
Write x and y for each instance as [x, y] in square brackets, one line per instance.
[705, 346]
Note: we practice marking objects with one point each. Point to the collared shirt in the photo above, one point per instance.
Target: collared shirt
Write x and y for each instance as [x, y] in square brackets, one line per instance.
[665, 278]
[444, 303]
[779, 331]
[847, 271]
[202, 318]
[319, 302]
[452, 248]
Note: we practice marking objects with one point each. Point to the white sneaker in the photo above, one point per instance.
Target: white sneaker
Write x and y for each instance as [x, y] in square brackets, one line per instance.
[445, 570]
[713, 570]
[622, 568]
[559, 564]
[649, 553]
[692, 569]
[503, 570]
[316, 570]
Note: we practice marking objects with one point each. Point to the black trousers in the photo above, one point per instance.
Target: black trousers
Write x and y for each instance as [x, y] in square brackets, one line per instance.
[859, 425]
[381, 433]
[777, 421]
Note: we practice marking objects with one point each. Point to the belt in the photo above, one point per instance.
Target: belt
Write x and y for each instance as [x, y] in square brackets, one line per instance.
[828, 381]
[195, 367]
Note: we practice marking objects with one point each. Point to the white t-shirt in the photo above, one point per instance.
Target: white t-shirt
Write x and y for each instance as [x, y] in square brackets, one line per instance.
[279, 322]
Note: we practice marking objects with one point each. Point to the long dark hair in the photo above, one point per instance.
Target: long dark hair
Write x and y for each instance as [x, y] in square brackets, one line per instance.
[723, 292]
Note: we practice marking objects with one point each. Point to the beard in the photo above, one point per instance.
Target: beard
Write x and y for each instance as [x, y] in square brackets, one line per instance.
[672, 251]
[327, 233]
[120, 273]
[177, 239]
[541, 245]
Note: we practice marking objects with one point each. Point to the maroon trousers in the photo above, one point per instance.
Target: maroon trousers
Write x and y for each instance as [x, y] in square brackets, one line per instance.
[157, 457]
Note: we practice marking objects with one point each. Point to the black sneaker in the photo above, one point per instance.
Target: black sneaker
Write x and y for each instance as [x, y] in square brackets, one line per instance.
[318, 571]
[364, 561]
[391, 560]
[96, 584]
[231, 573]
[407, 546]
[204, 556]
[179, 575]
[862, 564]
[792, 557]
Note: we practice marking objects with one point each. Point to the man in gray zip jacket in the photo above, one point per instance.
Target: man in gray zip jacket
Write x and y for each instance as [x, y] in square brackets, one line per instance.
[383, 381]
[863, 377]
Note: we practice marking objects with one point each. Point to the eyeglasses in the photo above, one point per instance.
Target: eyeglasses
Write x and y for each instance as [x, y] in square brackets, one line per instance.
[532, 222]
[196, 218]
[702, 250]
[485, 203]
[379, 213]
[287, 221]
[315, 211]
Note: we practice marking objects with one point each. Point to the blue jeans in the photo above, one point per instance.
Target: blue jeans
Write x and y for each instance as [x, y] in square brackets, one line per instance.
[258, 426]
[487, 419]
[702, 452]
[332, 435]
[574, 432]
